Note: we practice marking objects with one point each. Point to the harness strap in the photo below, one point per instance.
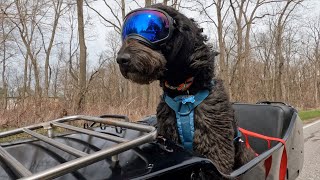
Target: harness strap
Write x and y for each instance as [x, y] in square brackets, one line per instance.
[238, 136]
[284, 158]
[183, 107]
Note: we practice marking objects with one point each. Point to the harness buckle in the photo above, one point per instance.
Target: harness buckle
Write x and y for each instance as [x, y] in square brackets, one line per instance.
[189, 99]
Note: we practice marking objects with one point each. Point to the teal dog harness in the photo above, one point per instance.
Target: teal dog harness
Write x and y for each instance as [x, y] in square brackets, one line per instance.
[184, 106]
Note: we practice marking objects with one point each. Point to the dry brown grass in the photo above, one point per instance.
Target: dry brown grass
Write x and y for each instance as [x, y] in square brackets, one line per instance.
[30, 112]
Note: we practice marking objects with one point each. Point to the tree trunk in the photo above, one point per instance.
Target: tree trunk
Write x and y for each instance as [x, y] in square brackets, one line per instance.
[57, 8]
[83, 59]
[27, 39]
[25, 78]
[4, 81]
[279, 58]
[279, 65]
[279, 61]
[147, 3]
[317, 65]
[222, 64]
[29, 78]
[37, 78]
[35, 67]
[123, 9]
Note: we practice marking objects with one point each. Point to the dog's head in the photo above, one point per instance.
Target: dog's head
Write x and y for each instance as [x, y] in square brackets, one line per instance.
[169, 46]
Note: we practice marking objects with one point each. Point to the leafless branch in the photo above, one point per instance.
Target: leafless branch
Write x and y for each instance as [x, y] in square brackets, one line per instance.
[105, 19]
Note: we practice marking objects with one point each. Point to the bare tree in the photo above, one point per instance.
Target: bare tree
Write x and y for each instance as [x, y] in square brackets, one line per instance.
[280, 25]
[83, 58]
[264, 47]
[265, 54]
[147, 3]
[57, 72]
[117, 22]
[244, 14]
[27, 23]
[57, 8]
[312, 53]
[222, 26]
[6, 37]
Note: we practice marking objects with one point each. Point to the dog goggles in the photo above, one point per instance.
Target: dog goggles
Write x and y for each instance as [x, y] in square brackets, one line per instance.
[151, 26]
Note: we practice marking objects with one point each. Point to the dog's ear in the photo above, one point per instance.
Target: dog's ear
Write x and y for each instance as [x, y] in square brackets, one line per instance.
[184, 27]
[181, 25]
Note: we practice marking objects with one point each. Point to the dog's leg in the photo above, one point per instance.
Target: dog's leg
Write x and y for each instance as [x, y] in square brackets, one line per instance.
[243, 156]
[215, 128]
[213, 144]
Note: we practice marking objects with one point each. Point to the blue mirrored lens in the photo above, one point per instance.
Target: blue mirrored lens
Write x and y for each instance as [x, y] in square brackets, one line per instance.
[150, 24]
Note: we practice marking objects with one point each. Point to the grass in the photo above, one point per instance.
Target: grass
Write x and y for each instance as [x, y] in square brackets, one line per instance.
[308, 115]
[24, 136]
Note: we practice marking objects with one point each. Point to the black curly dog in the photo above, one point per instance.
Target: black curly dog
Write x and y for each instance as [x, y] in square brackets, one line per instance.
[186, 55]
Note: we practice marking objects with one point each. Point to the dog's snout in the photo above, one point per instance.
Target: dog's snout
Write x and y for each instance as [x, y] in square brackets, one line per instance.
[123, 59]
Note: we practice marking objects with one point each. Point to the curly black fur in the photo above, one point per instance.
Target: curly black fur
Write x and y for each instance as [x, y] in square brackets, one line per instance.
[186, 55]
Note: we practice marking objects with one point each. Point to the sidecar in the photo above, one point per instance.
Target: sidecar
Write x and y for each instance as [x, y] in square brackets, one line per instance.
[111, 147]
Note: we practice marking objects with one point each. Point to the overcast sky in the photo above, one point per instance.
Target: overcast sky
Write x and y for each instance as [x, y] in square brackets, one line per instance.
[98, 32]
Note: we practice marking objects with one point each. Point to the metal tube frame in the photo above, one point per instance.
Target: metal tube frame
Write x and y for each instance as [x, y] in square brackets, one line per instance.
[14, 164]
[59, 145]
[83, 158]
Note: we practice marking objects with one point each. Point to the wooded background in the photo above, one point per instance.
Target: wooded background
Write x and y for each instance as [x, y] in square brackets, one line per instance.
[269, 50]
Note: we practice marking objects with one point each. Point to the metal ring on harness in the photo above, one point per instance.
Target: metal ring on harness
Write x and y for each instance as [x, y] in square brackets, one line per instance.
[186, 113]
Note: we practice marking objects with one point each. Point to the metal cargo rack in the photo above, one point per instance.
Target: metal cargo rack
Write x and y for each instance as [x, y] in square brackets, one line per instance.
[82, 159]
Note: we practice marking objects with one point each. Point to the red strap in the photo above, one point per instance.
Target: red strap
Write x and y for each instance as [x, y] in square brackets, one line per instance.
[283, 164]
[268, 161]
[284, 158]
[267, 165]
[186, 85]
[182, 87]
